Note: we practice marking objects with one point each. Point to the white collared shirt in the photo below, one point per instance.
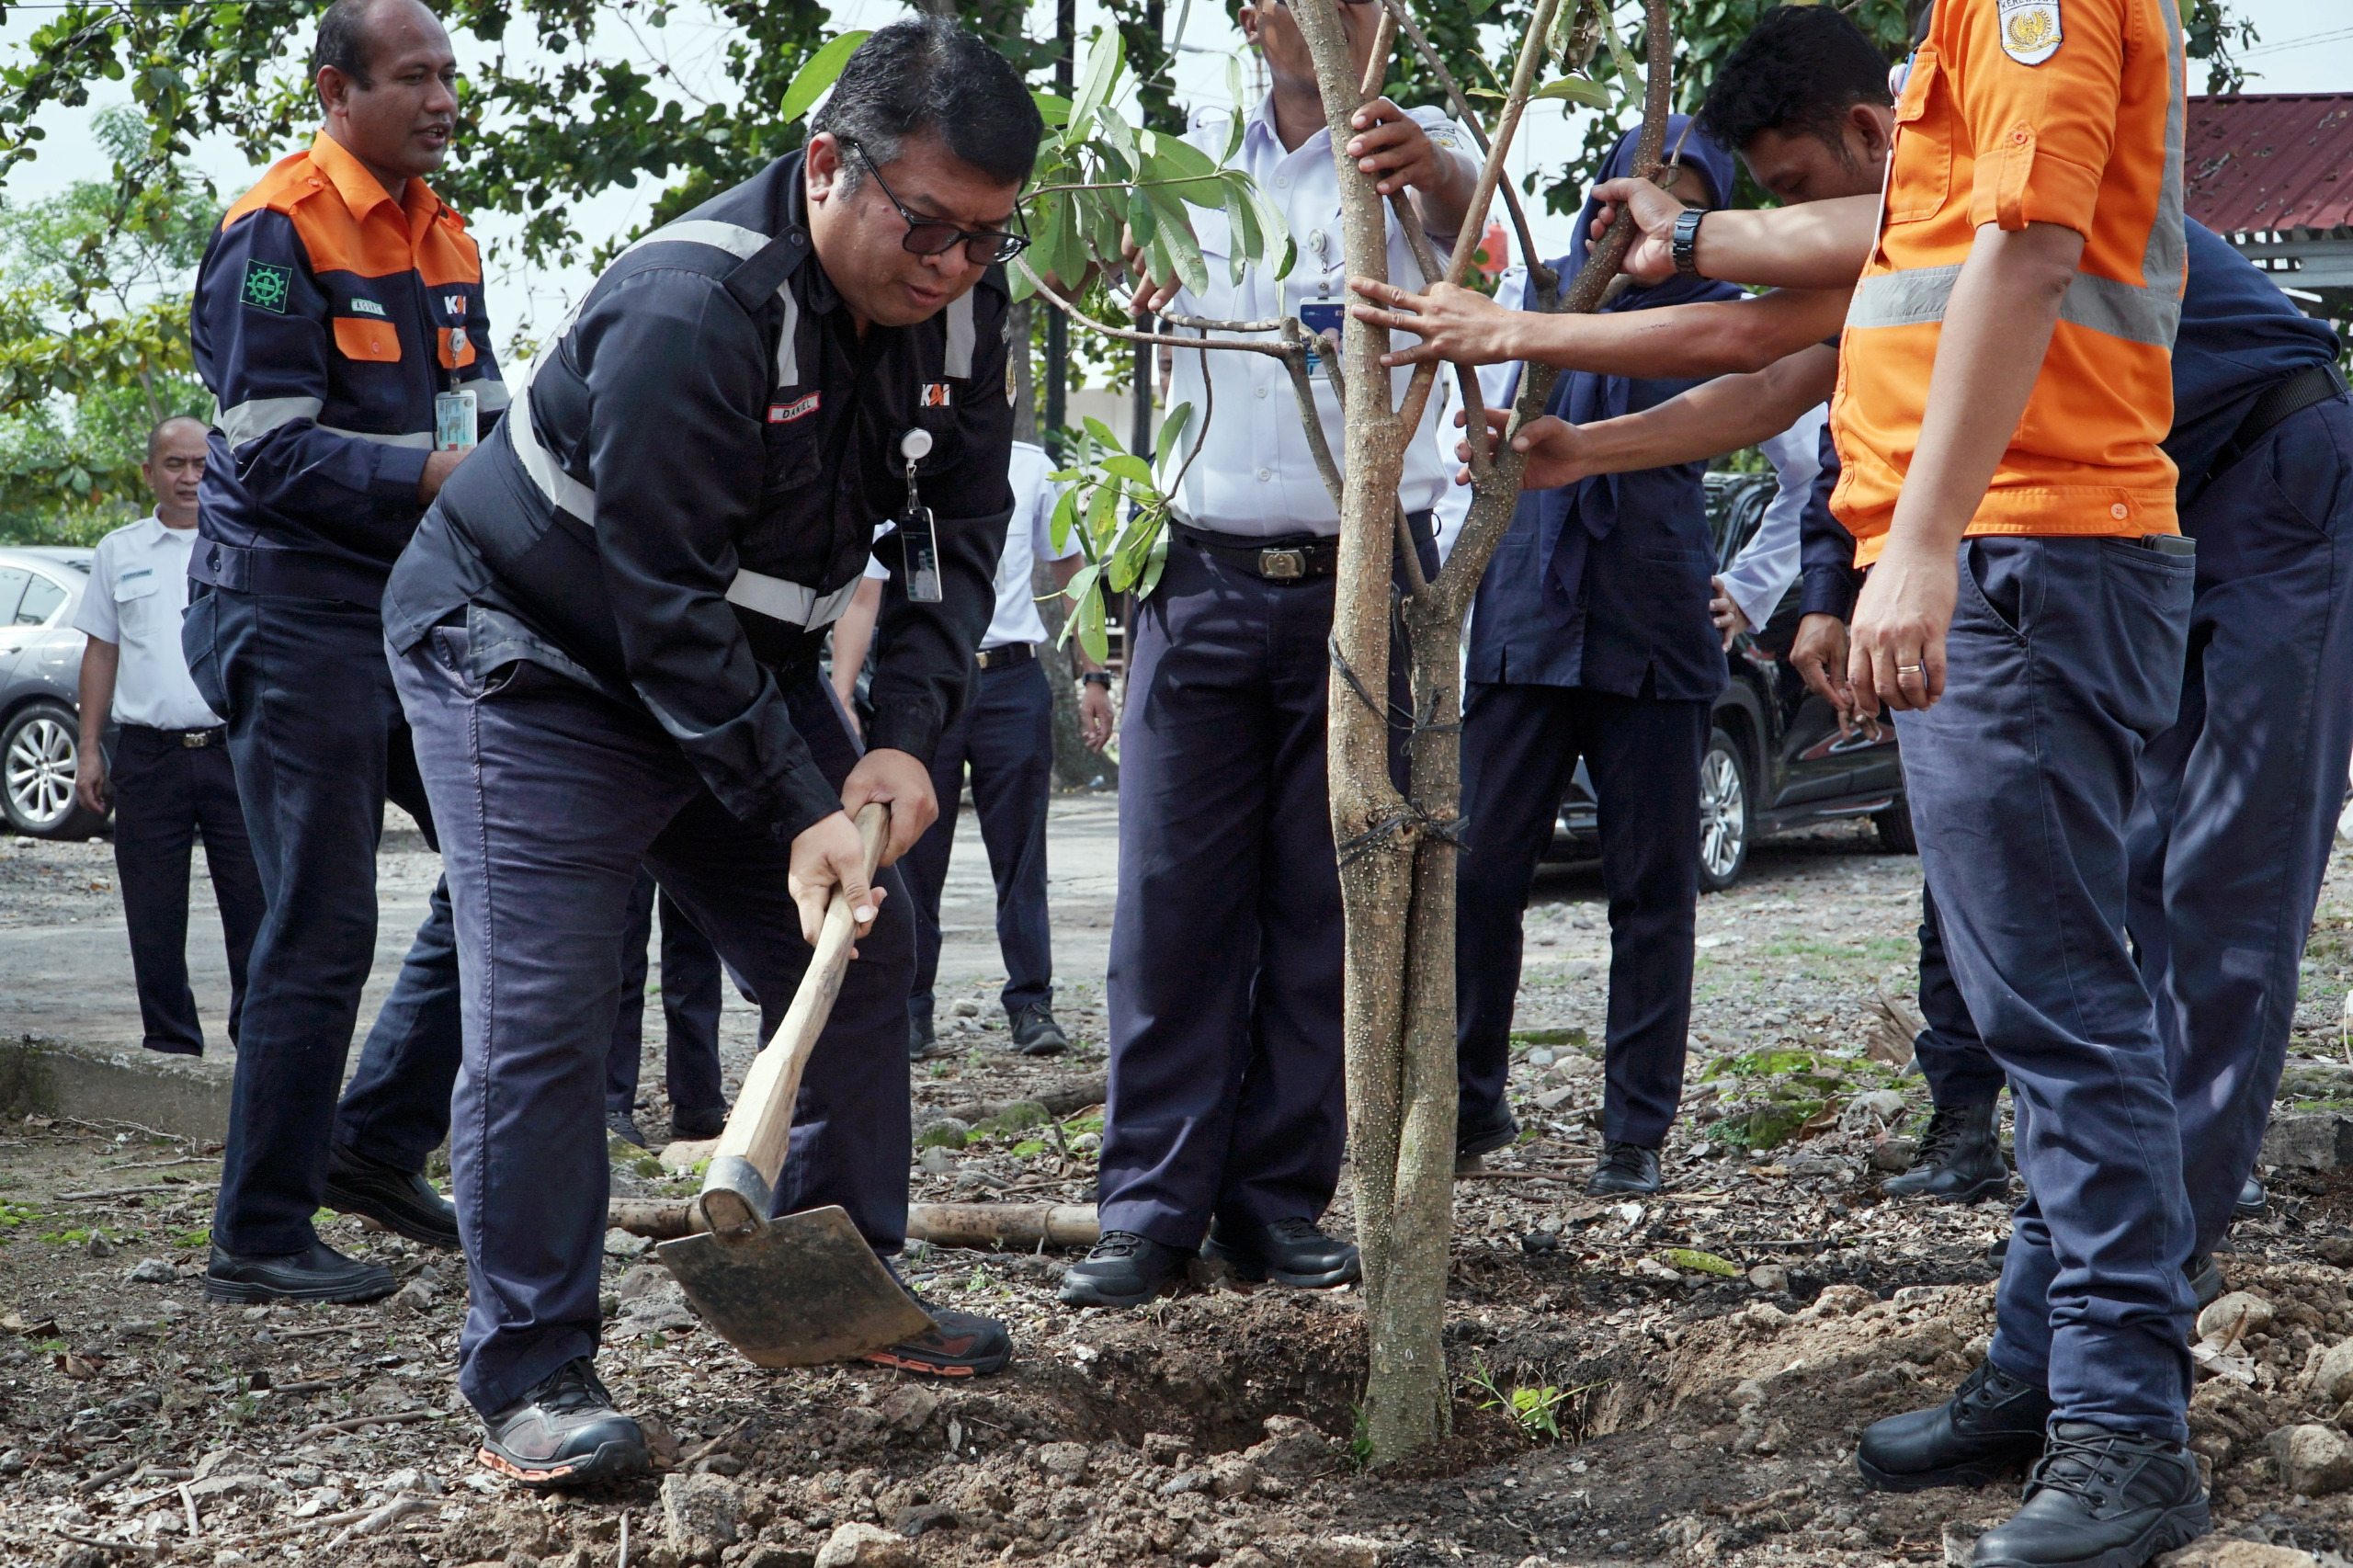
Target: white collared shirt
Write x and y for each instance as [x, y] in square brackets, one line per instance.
[1769, 562]
[1028, 538]
[1256, 475]
[137, 594]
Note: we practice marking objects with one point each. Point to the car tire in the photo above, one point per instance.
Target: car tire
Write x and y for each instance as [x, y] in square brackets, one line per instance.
[39, 750]
[1727, 816]
[1894, 825]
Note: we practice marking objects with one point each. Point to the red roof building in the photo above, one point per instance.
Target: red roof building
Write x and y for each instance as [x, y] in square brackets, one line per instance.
[2272, 173]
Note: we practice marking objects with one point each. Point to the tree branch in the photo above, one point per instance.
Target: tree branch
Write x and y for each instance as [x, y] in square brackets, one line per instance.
[1395, 10]
[1294, 358]
[1130, 335]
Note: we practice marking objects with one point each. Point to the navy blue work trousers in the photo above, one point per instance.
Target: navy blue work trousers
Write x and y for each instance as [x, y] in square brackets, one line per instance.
[690, 1006]
[318, 743]
[1007, 735]
[552, 796]
[2063, 664]
[1227, 1096]
[2231, 830]
[166, 793]
[1520, 748]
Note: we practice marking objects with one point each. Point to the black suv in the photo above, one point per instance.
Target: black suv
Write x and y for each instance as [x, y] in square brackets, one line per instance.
[1774, 760]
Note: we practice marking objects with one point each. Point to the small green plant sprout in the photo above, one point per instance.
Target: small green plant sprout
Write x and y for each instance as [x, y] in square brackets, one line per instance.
[1537, 1410]
[1692, 1261]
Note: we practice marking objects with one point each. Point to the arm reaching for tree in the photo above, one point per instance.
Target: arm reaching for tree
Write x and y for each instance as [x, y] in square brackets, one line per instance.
[1814, 244]
[1714, 337]
[1718, 417]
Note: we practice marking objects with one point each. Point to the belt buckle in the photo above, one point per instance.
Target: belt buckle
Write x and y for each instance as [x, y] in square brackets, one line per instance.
[195, 740]
[1283, 565]
[984, 657]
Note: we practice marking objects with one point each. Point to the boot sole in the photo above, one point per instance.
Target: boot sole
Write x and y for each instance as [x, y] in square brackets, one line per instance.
[1975, 1474]
[2174, 1527]
[1092, 1296]
[343, 1201]
[1969, 1196]
[615, 1460]
[1258, 1272]
[251, 1291]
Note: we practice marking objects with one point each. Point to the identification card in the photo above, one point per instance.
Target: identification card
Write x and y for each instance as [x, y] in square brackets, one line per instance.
[455, 420]
[920, 557]
[1320, 316]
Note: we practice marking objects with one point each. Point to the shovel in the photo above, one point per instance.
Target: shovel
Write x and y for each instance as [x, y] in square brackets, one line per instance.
[804, 1288]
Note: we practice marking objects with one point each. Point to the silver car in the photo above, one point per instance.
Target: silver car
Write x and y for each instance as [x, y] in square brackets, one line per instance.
[41, 673]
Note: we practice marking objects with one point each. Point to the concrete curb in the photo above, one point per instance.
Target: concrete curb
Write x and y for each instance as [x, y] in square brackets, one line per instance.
[188, 1096]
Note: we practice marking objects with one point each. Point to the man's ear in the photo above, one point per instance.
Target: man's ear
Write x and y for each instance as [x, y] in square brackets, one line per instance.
[334, 89]
[1246, 15]
[1872, 125]
[824, 164]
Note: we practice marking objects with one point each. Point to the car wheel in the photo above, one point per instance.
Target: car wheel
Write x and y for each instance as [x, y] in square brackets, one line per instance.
[1723, 814]
[1895, 825]
[39, 746]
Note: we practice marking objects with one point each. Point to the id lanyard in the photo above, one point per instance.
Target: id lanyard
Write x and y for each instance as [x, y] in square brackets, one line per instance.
[919, 549]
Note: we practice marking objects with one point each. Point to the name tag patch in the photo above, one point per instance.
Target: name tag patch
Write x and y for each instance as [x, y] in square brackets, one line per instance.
[935, 394]
[799, 408]
[2030, 31]
[367, 307]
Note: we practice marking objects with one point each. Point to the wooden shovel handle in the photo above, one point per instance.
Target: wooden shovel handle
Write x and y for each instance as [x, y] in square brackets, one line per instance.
[759, 1129]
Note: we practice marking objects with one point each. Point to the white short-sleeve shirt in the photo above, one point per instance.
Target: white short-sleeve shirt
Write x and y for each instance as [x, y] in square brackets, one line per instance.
[1256, 475]
[137, 594]
[1028, 538]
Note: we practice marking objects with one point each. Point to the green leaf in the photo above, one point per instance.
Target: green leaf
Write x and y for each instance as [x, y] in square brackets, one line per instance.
[1625, 61]
[811, 81]
[1176, 239]
[1102, 434]
[1192, 175]
[1122, 465]
[1102, 69]
[1693, 1261]
[1065, 518]
[1091, 634]
[1575, 90]
[1141, 222]
[1102, 512]
[1054, 109]
[1172, 432]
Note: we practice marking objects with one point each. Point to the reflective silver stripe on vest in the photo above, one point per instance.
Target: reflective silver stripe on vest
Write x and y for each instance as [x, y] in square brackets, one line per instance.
[789, 602]
[960, 333]
[413, 439]
[2102, 304]
[558, 486]
[489, 396]
[258, 416]
[2164, 264]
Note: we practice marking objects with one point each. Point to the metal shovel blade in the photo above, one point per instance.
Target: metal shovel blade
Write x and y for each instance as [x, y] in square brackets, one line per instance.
[805, 1289]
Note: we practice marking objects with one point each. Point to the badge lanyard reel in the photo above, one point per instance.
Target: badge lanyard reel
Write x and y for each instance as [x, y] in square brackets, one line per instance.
[918, 547]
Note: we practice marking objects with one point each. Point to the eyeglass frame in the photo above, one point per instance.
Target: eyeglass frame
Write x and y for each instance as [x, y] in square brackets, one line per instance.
[965, 237]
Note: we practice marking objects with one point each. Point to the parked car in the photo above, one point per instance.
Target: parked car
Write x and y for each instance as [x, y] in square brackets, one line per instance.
[1775, 759]
[41, 673]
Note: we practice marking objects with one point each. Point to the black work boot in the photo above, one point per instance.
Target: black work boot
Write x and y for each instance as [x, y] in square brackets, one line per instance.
[2252, 1201]
[1960, 1159]
[622, 1124]
[1289, 1252]
[1624, 1167]
[2100, 1499]
[1474, 1136]
[957, 1345]
[699, 1124]
[1123, 1269]
[1035, 1033]
[2205, 1278]
[564, 1433]
[402, 1201]
[320, 1274]
[922, 1039]
[1992, 1422]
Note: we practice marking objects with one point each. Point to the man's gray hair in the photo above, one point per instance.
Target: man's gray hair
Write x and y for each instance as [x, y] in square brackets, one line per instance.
[928, 74]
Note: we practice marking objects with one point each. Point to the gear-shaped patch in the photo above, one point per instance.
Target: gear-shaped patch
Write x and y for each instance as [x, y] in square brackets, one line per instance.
[266, 286]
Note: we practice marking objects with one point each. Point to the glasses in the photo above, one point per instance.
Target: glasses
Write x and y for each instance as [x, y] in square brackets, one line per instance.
[929, 236]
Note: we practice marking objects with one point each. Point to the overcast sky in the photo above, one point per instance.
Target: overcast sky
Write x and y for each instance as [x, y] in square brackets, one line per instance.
[2307, 46]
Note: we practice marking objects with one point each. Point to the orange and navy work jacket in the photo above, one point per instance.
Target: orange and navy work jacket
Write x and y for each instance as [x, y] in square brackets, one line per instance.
[327, 317]
[2017, 112]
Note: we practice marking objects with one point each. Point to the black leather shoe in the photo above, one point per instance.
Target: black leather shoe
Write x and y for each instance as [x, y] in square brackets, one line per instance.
[1035, 1033]
[565, 1433]
[402, 1201]
[1289, 1252]
[2253, 1201]
[695, 1126]
[1624, 1167]
[1960, 1160]
[1123, 1269]
[321, 1274]
[2100, 1499]
[1993, 1422]
[922, 1038]
[623, 1125]
[961, 1344]
[2205, 1279]
[1496, 1130]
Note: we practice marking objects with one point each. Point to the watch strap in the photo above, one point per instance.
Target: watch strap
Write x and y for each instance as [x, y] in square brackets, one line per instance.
[1685, 244]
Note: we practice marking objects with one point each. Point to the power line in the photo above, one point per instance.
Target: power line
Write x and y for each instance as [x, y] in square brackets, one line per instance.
[2337, 37]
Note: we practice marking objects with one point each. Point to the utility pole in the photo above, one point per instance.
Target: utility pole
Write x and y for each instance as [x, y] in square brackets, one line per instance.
[1057, 326]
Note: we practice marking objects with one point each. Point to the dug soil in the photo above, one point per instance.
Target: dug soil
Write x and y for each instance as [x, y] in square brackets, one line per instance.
[1679, 1380]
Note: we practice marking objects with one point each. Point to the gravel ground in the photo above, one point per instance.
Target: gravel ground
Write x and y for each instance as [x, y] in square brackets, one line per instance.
[1678, 1380]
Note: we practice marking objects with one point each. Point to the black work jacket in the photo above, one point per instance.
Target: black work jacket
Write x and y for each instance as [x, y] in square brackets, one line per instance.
[686, 493]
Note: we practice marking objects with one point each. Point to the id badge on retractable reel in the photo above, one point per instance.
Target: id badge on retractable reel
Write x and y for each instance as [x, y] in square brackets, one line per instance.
[918, 543]
[456, 420]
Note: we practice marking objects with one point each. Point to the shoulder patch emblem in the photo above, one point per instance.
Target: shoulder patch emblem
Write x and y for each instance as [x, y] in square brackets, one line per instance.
[2030, 30]
[266, 286]
[454, 303]
[935, 394]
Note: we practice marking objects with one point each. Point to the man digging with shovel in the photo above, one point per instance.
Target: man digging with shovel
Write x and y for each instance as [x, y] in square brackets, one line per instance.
[605, 635]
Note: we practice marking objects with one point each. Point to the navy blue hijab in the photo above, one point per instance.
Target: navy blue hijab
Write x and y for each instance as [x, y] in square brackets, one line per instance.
[1581, 398]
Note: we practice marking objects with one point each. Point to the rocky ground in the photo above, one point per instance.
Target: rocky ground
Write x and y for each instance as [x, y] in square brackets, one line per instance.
[1678, 1380]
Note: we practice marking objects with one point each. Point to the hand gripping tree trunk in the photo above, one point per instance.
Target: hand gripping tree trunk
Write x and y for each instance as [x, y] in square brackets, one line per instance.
[1397, 851]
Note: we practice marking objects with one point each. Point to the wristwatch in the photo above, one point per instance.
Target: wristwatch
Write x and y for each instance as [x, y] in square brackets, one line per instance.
[1686, 244]
[1095, 677]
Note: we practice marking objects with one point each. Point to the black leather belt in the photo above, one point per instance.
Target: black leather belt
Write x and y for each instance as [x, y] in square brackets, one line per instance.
[1010, 655]
[2287, 396]
[1290, 560]
[193, 740]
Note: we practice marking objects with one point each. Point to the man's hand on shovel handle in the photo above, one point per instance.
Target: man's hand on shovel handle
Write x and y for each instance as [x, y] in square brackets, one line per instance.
[826, 855]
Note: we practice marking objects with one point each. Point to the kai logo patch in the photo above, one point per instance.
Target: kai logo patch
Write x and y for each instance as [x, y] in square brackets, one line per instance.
[454, 303]
[2030, 30]
[266, 286]
[935, 394]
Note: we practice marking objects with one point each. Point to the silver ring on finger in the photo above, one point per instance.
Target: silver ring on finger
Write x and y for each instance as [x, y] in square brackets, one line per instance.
[1903, 670]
